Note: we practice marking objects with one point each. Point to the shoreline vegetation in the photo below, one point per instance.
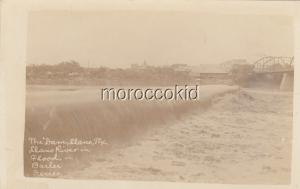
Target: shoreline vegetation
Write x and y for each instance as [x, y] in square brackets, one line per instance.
[72, 73]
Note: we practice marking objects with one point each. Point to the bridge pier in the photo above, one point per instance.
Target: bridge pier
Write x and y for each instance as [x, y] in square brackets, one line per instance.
[287, 81]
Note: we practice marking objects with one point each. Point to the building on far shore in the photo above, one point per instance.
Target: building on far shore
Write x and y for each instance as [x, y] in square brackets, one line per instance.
[182, 68]
[215, 73]
[209, 72]
[227, 65]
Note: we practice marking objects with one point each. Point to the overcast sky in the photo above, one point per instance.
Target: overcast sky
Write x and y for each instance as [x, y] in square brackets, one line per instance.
[121, 38]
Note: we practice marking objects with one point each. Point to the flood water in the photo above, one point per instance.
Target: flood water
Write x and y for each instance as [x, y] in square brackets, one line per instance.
[242, 138]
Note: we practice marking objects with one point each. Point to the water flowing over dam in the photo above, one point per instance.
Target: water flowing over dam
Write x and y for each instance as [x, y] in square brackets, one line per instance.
[68, 112]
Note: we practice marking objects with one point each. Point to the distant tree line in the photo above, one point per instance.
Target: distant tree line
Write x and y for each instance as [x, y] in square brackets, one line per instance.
[71, 73]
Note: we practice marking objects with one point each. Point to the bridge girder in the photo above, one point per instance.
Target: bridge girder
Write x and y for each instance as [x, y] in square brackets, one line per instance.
[274, 64]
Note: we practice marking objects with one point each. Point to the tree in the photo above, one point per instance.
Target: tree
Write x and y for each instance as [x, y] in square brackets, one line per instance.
[241, 73]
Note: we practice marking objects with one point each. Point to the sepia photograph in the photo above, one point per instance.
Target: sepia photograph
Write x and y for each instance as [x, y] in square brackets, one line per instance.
[158, 95]
[238, 130]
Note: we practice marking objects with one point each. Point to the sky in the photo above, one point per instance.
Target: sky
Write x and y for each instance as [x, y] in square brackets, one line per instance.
[121, 38]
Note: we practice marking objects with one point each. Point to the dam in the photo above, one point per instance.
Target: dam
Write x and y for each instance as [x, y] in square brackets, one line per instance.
[61, 113]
